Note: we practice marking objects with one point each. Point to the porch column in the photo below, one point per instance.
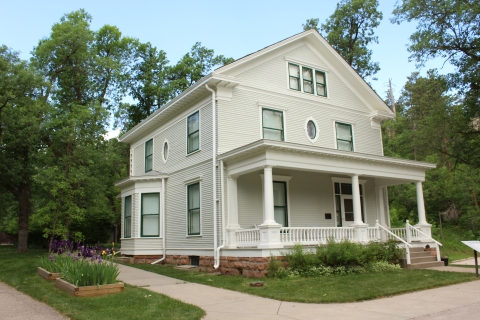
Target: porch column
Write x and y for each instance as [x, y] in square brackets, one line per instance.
[268, 205]
[381, 206]
[360, 230]
[269, 229]
[422, 220]
[232, 212]
[357, 208]
[381, 211]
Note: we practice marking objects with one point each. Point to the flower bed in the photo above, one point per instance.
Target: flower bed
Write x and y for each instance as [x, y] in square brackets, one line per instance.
[47, 275]
[82, 267]
[89, 291]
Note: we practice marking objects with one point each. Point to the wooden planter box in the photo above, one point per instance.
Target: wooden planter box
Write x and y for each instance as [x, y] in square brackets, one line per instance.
[47, 275]
[89, 291]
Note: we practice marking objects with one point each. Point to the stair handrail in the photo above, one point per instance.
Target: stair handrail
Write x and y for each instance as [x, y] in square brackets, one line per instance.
[407, 245]
[426, 235]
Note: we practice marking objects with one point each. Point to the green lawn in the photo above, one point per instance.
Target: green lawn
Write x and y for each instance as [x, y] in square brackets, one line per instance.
[19, 271]
[327, 289]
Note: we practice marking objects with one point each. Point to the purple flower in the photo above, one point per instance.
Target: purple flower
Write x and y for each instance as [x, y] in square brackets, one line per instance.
[75, 258]
[51, 258]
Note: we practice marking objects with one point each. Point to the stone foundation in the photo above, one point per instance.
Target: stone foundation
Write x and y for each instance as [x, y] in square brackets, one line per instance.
[246, 266]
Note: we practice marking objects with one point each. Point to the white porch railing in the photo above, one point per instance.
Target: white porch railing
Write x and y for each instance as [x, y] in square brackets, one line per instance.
[248, 237]
[314, 235]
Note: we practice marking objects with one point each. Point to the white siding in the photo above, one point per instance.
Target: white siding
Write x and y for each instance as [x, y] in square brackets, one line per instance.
[139, 160]
[239, 122]
[310, 196]
[176, 208]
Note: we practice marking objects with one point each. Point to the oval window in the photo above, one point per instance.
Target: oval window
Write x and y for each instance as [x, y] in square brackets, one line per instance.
[311, 130]
[165, 151]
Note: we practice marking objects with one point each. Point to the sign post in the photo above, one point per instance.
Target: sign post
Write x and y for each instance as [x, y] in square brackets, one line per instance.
[475, 245]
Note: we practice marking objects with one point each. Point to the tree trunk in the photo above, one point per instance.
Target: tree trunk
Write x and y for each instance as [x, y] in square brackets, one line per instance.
[23, 197]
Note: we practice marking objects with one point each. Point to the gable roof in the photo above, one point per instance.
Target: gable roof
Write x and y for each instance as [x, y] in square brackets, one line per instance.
[226, 75]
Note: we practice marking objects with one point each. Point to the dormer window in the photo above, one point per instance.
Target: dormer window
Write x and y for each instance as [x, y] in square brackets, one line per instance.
[309, 80]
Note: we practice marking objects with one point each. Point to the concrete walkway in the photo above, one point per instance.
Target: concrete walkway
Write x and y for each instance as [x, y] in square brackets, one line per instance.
[456, 301]
[15, 305]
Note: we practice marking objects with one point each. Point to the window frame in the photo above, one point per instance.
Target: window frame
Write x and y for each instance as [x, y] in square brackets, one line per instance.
[312, 74]
[316, 129]
[125, 217]
[298, 78]
[283, 123]
[141, 215]
[163, 150]
[148, 156]
[287, 212]
[191, 133]
[301, 80]
[199, 234]
[351, 134]
[323, 84]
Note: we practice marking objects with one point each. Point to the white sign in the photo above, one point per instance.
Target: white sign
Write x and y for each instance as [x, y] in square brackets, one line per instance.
[475, 245]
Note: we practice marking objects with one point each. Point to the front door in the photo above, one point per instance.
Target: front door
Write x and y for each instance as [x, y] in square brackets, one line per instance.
[347, 210]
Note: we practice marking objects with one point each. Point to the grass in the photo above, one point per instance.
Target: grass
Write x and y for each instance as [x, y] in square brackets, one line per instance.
[332, 289]
[19, 271]
[453, 248]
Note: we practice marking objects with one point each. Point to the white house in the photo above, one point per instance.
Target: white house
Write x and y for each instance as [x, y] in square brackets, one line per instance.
[282, 146]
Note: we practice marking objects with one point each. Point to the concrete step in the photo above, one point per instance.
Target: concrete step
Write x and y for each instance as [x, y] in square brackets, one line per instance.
[417, 249]
[422, 259]
[421, 254]
[424, 265]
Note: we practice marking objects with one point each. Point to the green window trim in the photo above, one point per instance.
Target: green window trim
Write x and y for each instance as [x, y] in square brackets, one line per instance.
[292, 78]
[320, 86]
[193, 132]
[127, 217]
[148, 219]
[193, 210]
[283, 207]
[149, 155]
[307, 80]
[341, 142]
[265, 129]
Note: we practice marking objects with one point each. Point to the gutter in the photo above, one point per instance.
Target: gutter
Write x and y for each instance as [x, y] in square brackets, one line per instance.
[222, 189]
[162, 205]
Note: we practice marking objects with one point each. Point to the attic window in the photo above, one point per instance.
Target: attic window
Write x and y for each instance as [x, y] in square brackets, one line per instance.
[309, 80]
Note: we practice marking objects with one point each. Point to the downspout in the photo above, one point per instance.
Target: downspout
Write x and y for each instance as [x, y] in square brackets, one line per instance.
[214, 160]
[222, 189]
[162, 205]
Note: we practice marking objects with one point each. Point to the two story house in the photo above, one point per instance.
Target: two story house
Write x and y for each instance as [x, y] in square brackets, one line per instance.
[282, 146]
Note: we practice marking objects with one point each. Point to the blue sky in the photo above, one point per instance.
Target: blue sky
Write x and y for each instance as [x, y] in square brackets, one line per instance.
[232, 28]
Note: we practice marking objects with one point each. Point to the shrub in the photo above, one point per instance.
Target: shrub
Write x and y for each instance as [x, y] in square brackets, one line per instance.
[381, 266]
[300, 259]
[343, 253]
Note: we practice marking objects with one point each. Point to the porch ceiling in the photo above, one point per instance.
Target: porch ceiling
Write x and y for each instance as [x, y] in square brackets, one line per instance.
[279, 154]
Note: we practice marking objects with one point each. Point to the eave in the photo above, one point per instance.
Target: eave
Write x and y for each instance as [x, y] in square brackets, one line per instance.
[132, 179]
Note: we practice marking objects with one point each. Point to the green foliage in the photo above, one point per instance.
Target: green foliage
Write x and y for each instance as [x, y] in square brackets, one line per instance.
[337, 258]
[350, 29]
[382, 266]
[449, 29]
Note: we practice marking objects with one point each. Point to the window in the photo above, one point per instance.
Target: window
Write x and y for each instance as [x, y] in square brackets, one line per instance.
[309, 80]
[344, 136]
[165, 151]
[321, 83]
[294, 76]
[307, 76]
[272, 124]
[148, 155]
[280, 202]
[193, 132]
[127, 214]
[311, 129]
[150, 215]
[193, 215]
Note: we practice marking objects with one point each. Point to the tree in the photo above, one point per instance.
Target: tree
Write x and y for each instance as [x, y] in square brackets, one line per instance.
[86, 70]
[349, 30]
[449, 29]
[21, 115]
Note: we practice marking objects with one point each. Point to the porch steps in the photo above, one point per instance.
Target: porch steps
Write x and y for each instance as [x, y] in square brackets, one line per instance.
[420, 259]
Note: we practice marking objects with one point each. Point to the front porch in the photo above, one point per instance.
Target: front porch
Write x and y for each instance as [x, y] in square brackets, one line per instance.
[280, 194]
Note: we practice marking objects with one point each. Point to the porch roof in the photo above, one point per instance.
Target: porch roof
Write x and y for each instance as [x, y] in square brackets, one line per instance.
[149, 176]
[303, 157]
